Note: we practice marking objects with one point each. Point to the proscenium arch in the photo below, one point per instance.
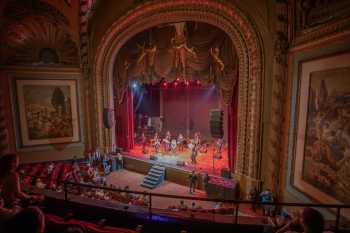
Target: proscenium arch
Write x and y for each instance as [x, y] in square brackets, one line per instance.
[247, 44]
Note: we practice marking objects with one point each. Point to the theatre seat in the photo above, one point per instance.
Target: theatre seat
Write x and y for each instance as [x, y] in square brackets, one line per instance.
[58, 224]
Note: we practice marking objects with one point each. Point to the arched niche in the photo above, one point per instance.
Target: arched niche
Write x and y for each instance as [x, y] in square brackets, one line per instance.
[245, 39]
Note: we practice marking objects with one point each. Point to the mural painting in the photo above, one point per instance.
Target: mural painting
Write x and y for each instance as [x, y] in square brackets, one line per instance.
[47, 111]
[326, 164]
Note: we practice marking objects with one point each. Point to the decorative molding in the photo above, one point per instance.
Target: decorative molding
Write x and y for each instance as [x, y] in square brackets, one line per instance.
[313, 20]
[223, 15]
[275, 145]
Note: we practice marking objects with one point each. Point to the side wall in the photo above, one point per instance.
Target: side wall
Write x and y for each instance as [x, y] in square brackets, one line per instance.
[45, 152]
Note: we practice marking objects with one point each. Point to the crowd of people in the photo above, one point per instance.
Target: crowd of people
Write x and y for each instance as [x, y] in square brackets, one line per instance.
[19, 209]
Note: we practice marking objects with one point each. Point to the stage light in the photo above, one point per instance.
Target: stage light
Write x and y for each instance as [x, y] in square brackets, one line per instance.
[178, 79]
[134, 85]
[165, 84]
[198, 82]
[176, 83]
[187, 83]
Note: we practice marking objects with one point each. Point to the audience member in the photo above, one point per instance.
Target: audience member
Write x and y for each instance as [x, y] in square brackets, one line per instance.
[310, 220]
[267, 197]
[9, 181]
[29, 220]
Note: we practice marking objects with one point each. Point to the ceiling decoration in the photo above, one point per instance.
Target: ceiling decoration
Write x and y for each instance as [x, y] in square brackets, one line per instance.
[17, 10]
[36, 33]
[178, 51]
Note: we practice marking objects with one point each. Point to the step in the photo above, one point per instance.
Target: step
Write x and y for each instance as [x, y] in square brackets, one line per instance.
[156, 179]
[150, 181]
[159, 167]
[147, 185]
[156, 172]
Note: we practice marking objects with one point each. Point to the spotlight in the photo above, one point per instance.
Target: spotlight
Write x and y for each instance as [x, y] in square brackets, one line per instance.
[198, 82]
[187, 83]
[176, 83]
[165, 84]
[134, 85]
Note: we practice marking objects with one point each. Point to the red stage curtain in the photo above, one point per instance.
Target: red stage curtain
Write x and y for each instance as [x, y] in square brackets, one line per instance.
[124, 122]
[232, 111]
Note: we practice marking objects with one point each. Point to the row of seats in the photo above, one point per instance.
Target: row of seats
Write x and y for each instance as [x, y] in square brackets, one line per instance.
[61, 224]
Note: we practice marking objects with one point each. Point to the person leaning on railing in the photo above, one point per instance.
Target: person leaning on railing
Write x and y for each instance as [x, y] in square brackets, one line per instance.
[10, 184]
[310, 220]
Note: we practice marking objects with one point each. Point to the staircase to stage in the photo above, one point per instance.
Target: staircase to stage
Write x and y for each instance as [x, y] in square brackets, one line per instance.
[155, 176]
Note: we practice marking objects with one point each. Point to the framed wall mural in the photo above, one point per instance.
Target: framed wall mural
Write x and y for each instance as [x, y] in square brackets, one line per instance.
[47, 111]
[321, 163]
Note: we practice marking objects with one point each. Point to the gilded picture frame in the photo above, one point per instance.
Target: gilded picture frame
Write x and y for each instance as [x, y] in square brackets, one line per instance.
[321, 162]
[47, 111]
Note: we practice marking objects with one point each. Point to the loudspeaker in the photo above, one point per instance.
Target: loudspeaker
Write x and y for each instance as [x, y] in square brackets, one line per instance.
[108, 118]
[216, 123]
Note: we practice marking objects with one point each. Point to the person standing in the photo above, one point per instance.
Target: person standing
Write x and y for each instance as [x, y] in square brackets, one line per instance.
[206, 179]
[194, 154]
[267, 197]
[252, 196]
[193, 181]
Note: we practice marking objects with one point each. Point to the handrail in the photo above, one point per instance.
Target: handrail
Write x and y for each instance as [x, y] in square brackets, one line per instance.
[338, 207]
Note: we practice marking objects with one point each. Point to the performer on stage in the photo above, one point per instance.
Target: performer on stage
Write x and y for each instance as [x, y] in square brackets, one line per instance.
[144, 143]
[156, 143]
[180, 142]
[197, 138]
[194, 153]
[173, 146]
[218, 147]
[167, 141]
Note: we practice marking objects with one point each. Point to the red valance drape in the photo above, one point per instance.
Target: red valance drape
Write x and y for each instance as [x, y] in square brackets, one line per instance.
[125, 122]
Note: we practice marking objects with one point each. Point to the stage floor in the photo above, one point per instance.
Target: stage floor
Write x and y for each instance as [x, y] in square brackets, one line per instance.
[205, 161]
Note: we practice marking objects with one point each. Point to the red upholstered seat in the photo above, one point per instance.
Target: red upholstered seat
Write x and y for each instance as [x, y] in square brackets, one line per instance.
[58, 224]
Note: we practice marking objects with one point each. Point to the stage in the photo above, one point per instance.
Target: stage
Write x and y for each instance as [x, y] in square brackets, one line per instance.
[182, 159]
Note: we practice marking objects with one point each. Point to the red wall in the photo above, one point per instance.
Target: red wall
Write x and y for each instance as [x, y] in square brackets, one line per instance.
[181, 104]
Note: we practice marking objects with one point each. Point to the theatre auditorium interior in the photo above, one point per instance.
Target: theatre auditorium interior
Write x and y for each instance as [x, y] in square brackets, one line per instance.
[178, 116]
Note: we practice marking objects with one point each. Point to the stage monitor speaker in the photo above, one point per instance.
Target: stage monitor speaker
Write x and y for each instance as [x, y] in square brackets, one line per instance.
[108, 118]
[225, 173]
[180, 163]
[216, 123]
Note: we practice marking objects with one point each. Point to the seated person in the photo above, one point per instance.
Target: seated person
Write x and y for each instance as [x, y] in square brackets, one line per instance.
[9, 181]
[182, 206]
[106, 167]
[29, 220]
[6, 213]
[39, 184]
[309, 221]
[50, 169]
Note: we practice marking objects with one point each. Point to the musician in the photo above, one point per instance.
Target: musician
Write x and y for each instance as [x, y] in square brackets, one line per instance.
[144, 143]
[156, 143]
[173, 146]
[218, 146]
[197, 138]
[167, 141]
[194, 153]
[180, 142]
